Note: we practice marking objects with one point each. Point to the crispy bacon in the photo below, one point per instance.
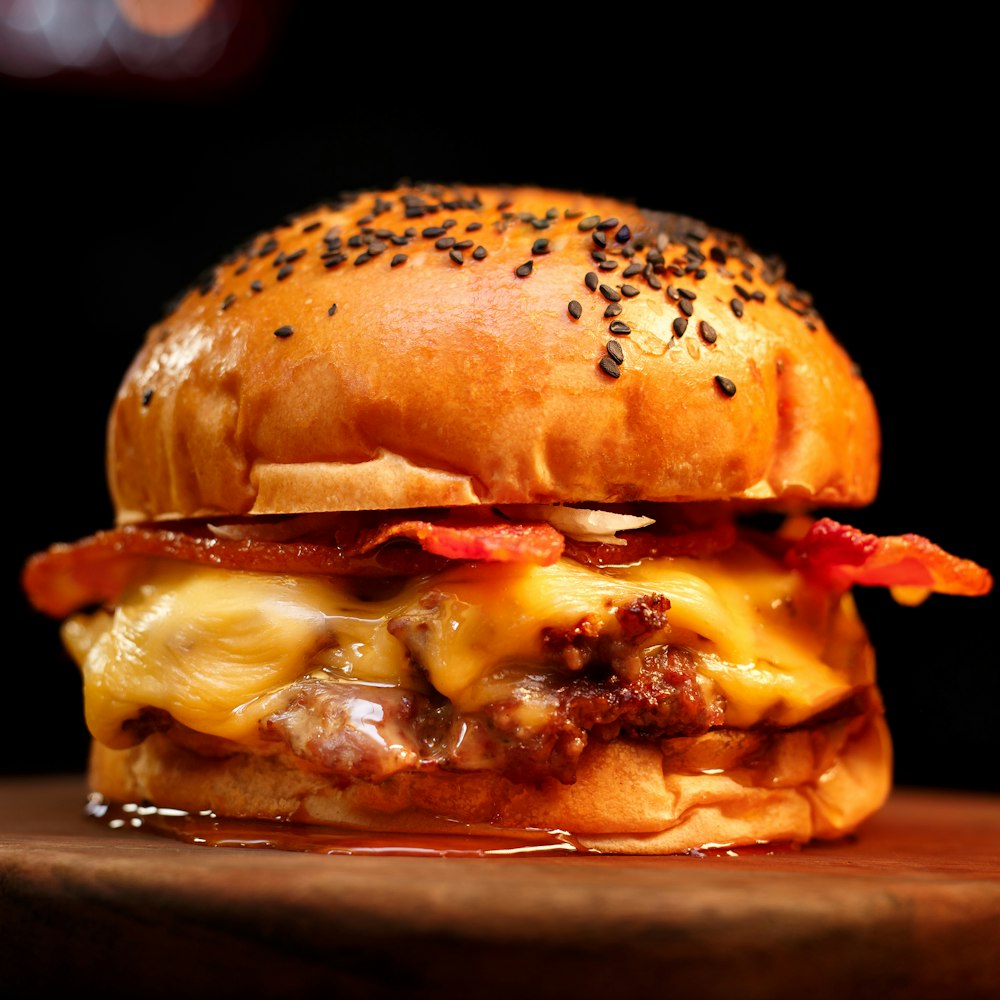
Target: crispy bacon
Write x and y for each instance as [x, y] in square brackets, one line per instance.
[693, 543]
[98, 568]
[500, 541]
[843, 556]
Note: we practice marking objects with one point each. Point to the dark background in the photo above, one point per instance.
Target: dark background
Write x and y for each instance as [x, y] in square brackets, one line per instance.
[861, 168]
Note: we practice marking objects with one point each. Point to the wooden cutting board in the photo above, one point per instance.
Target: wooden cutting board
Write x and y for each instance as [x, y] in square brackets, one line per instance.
[908, 908]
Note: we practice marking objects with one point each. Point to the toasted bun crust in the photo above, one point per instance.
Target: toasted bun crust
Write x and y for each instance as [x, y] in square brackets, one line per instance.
[449, 379]
[628, 797]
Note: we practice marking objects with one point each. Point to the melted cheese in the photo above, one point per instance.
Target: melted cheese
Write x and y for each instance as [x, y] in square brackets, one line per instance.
[218, 649]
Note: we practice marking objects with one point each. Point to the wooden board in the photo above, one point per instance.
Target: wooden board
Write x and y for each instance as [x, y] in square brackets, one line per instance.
[908, 908]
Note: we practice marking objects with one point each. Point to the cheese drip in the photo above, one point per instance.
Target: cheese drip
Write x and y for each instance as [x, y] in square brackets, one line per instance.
[218, 649]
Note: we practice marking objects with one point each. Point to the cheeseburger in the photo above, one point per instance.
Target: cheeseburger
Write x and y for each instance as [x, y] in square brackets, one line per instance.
[453, 510]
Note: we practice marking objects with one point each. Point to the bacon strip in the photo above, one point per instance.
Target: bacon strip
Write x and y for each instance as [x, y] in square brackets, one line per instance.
[844, 556]
[98, 568]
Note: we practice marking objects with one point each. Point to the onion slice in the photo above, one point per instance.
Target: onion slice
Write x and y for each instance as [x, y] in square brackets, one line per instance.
[579, 523]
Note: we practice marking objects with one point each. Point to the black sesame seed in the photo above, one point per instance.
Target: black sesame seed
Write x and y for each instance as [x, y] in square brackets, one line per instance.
[591, 280]
[473, 227]
[334, 260]
[312, 227]
[356, 241]
[575, 309]
[397, 259]
[445, 242]
[685, 307]
[758, 296]
[433, 232]
[615, 352]
[399, 241]
[608, 265]
[295, 256]
[463, 245]
[718, 255]
[147, 397]
[610, 294]
[653, 281]
[269, 247]
[737, 307]
[375, 248]
[742, 292]
[228, 301]
[572, 213]
[672, 293]
[283, 331]
[257, 285]
[362, 258]
[614, 309]
[607, 223]
[609, 367]
[456, 256]
[700, 273]
[632, 270]
[448, 223]
[623, 235]
[242, 268]
[285, 272]
[707, 332]
[629, 291]
[540, 247]
[332, 310]
[620, 328]
[585, 225]
[525, 269]
[479, 253]
[600, 239]
[680, 326]
[384, 234]
[686, 293]
[728, 386]
[598, 255]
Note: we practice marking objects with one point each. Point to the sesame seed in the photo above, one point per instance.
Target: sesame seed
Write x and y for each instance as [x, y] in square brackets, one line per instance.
[257, 285]
[598, 255]
[242, 268]
[718, 255]
[362, 258]
[623, 235]
[728, 386]
[473, 227]
[653, 281]
[629, 291]
[399, 258]
[737, 307]
[284, 331]
[609, 367]
[292, 257]
[285, 272]
[680, 326]
[672, 293]
[632, 270]
[575, 309]
[312, 227]
[456, 256]
[600, 239]
[332, 310]
[615, 351]
[592, 280]
[334, 259]
[479, 253]
[613, 309]
[269, 247]
[685, 307]
[608, 265]
[742, 292]
[433, 232]
[607, 223]
[228, 301]
[445, 242]
[686, 293]
[147, 397]
[463, 245]
[610, 294]
[540, 247]
[620, 328]
[585, 225]
[525, 269]
[707, 332]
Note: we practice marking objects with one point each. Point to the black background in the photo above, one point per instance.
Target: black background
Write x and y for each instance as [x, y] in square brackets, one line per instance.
[863, 168]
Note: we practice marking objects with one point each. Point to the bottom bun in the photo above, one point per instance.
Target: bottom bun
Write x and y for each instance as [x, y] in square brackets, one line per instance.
[724, 788]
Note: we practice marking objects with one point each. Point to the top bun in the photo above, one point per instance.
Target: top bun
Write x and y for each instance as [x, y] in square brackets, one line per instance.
[423, 347]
